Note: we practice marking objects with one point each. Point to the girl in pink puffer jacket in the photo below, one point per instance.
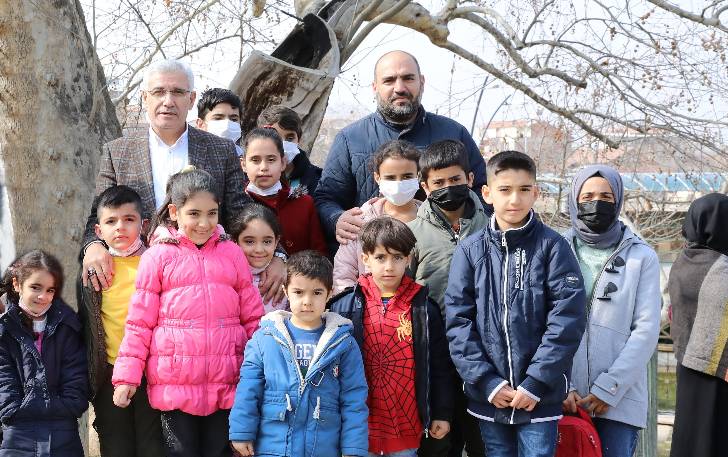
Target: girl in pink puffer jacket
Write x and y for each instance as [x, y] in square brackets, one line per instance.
[189, 320]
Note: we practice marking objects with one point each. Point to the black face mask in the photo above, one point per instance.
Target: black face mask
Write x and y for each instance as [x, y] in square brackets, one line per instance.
[597, 215]
[450, 198]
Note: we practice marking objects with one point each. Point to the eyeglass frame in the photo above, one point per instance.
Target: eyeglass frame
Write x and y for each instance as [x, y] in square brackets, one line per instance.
[161, 94]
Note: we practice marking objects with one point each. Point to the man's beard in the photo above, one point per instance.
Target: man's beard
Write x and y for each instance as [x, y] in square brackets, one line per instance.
[398, 114]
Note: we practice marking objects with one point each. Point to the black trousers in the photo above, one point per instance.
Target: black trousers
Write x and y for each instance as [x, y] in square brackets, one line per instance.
[186, 435]
[134, 431]
[464, 432]
[701, 417]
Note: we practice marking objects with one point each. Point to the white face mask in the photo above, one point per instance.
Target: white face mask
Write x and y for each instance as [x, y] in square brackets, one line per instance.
[290, 150]
[399, 192]
[225, 128]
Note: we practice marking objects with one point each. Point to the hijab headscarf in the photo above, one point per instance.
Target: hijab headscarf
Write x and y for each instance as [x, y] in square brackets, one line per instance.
[613, 234]
[706, 223]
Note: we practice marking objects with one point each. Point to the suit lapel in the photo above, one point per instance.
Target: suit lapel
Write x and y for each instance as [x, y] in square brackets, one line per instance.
[195, 152]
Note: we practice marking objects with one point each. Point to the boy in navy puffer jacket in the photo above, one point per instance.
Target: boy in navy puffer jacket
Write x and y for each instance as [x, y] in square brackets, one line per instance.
[515, 316]
[302, 389]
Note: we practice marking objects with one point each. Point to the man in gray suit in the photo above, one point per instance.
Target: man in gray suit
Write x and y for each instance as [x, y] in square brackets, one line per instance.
[146, 159]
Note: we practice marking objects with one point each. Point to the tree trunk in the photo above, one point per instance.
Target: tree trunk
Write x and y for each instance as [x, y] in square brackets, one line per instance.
[55, 113]
[299, 74]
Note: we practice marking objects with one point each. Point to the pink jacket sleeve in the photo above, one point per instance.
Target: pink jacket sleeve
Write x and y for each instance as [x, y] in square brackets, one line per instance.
[346, 266]
[140, 323]
[251, 305]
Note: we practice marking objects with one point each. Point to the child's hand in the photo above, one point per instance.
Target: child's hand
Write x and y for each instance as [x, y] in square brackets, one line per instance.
[244, 448]
[123, 394]
[438, 429]
[504, 396]
[570, 404]
[522, 401]
[593, 404]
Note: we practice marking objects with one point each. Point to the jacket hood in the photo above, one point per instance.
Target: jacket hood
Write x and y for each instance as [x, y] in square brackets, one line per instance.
[334, 325]
[705, 223]
[373, 208]
[614, 233]
[170, 235]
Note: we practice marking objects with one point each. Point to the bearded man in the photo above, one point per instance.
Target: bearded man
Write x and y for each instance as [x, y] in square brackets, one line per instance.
[347, 182]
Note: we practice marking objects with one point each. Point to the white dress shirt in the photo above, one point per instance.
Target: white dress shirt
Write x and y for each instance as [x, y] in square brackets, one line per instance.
[166, 161]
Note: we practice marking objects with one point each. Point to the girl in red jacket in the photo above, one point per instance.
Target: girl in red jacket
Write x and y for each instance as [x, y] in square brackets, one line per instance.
[192, 313]
[264, 162]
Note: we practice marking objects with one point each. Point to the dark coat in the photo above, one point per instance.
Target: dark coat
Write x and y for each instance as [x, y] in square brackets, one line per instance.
[42, 395]
[307, 173]
[89, 311]
[346, 180]
[433, 368]
[530, 339]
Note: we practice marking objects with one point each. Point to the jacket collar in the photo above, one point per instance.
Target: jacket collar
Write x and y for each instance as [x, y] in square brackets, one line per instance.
[57, 314]
[420, 119]
[300, 164]
[334, 325]
[515, 236]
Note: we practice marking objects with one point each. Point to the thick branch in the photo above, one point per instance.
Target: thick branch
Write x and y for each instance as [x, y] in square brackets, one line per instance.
[712, 21]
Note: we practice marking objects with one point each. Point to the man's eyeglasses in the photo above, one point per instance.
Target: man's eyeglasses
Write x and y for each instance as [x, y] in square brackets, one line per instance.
[160, 93]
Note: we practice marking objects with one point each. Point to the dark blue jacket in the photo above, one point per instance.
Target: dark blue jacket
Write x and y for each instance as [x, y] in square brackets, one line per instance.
[433, 369]
[347, 182]
[42, 394]
[307, 173]
[515, 312]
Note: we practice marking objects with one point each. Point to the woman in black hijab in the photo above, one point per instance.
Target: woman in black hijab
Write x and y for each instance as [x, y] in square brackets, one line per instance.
[698, 289]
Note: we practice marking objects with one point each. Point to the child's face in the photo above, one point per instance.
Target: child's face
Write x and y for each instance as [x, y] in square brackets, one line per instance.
[512, 194]
[219, 112]
[119, 227]
[387, 267]
[446, 177]
[197, 218]
[37, 291]
[258, 243]
[285, 134]
[396, 169]
[263, 163]
[307, 298]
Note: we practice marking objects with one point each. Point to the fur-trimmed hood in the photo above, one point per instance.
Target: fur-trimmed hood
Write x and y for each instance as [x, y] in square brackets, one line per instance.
[334, 327]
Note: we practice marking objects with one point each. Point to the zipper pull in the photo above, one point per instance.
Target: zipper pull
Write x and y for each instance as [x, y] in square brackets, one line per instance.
[503, 240]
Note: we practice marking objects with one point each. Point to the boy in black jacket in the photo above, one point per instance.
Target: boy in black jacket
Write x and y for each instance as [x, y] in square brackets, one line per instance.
[400, 332]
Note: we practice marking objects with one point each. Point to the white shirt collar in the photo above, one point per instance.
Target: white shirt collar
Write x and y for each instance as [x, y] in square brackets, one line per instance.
[166, 161]
[160, 144]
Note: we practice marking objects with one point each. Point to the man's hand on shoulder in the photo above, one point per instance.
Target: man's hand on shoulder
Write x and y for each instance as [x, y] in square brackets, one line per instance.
[349, 225]
[98, 267]
[272, 280]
